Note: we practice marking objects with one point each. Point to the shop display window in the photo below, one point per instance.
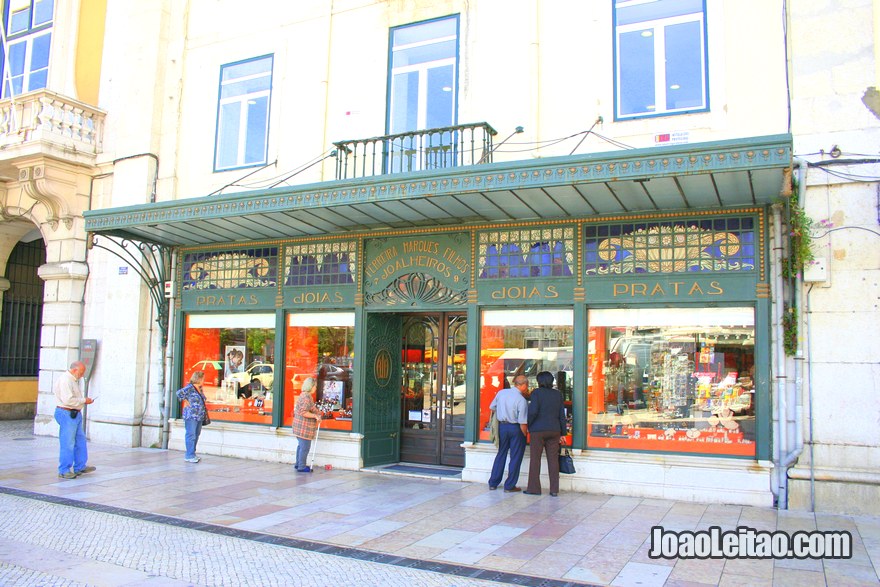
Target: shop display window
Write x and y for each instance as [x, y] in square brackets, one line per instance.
[321, 345]
[237, 354]
[524, 342]
[672, 380]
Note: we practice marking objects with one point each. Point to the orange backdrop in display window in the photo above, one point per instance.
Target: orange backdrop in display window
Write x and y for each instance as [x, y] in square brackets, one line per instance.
[596, 391]
[302, 363]
[491, 372]
[201, 352]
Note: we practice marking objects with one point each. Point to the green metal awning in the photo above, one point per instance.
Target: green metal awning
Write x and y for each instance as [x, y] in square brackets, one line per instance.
[713, 175]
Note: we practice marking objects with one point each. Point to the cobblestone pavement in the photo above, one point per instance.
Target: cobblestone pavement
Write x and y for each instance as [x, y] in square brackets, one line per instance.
[49, 544]
[55, 532]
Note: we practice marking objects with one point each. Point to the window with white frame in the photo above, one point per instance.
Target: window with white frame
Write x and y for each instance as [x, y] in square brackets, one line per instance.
[243, 114]
[423, 84]
[28, 25]
[660, 51]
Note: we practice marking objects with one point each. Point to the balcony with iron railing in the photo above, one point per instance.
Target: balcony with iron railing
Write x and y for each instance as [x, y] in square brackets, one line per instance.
[45, 122]
[420, 150]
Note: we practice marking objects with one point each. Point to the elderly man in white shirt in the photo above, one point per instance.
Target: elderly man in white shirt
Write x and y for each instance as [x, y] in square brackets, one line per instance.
[74, 455]
[512, 410]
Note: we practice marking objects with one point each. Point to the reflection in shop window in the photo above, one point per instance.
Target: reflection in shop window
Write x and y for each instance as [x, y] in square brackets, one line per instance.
[329, 263]
[237, 354]
[679, 380]
[524, 342]
[705, 245]
[545, 252]
[245, 268]
[321, 345]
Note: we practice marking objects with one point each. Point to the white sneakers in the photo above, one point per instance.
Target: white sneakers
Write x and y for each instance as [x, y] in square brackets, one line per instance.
[193, 460]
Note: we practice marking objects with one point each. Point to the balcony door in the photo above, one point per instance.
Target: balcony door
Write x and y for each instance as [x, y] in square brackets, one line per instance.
[422, 93]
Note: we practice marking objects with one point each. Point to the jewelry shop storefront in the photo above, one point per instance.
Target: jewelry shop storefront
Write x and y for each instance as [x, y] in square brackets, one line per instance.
[641, 281]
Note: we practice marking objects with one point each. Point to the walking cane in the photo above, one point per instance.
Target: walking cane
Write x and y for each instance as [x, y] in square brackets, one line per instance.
[315, 447]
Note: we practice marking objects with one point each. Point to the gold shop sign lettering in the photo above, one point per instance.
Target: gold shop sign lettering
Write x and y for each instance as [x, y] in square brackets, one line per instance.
[317, 297]
[417, 255]
[525, 292]
[665, 289]
[227, 300]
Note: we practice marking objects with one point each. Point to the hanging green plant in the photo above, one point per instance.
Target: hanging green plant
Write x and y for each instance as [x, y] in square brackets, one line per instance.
[790, 330]
[800, 240]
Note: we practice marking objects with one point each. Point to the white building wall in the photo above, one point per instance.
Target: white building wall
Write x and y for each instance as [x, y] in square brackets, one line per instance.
[118, 311]
[546, 66]
[834, 68]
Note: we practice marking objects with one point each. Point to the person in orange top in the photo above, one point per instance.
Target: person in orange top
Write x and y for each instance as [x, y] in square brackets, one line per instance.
[306, 418]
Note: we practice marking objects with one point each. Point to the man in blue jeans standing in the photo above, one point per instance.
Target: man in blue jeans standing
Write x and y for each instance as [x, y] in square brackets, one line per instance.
[74, 455]
[512, 410]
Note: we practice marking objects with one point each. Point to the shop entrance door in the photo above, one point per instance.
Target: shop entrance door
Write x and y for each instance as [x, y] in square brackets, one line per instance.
[433, 388]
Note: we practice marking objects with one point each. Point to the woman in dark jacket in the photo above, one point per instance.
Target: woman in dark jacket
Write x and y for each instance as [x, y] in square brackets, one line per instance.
[547, 429]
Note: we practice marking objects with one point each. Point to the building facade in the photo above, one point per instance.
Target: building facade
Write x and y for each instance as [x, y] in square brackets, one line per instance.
[604, 192]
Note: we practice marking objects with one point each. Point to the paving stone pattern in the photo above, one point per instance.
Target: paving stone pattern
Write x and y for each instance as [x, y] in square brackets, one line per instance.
[465, 533]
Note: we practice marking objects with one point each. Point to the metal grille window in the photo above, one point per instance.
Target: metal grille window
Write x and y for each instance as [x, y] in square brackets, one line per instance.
[544, 252]
[329, 263]
[718, 244]
[255, 267]
[22, 312]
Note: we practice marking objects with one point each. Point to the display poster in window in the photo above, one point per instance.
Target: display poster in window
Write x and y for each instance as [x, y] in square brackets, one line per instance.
[332, 393]
[234, 360]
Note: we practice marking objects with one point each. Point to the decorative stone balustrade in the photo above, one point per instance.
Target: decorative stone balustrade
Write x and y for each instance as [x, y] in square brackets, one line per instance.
[47, 116]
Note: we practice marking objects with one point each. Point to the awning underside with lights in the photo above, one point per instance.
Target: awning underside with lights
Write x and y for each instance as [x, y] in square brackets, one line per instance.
[700, 176]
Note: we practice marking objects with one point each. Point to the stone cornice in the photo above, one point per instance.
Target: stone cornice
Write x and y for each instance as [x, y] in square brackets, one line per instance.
[65, 270]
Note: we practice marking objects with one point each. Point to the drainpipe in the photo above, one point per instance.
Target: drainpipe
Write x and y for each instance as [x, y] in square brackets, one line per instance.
[165, 412]
[793, 409]
[780, 436]
[810, 403]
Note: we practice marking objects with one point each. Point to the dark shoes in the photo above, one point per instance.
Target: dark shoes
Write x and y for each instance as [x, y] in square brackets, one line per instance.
[513, 490]
[531, 493]
[554, 495]
[75, 474]
[305, 469]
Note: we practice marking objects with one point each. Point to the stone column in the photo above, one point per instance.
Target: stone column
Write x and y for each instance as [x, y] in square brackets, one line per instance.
[62, 323]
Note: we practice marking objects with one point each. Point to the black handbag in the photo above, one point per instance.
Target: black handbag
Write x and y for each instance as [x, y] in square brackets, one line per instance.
[566, 463]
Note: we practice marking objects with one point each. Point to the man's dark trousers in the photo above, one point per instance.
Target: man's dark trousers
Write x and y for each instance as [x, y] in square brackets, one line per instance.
[513, 440]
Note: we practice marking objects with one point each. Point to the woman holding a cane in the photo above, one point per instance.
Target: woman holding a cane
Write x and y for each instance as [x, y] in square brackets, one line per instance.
[306, 419]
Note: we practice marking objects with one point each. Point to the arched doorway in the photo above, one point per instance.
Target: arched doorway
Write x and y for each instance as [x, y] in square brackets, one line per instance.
[20, 326]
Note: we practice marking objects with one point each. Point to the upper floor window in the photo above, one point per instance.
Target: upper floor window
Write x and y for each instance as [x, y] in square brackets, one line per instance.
[661, 57]
[423, 84]
[28, 26]
[243, 114]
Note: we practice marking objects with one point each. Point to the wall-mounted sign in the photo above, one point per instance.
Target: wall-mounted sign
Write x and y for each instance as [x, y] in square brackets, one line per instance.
[88, 350]
[417, 270]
